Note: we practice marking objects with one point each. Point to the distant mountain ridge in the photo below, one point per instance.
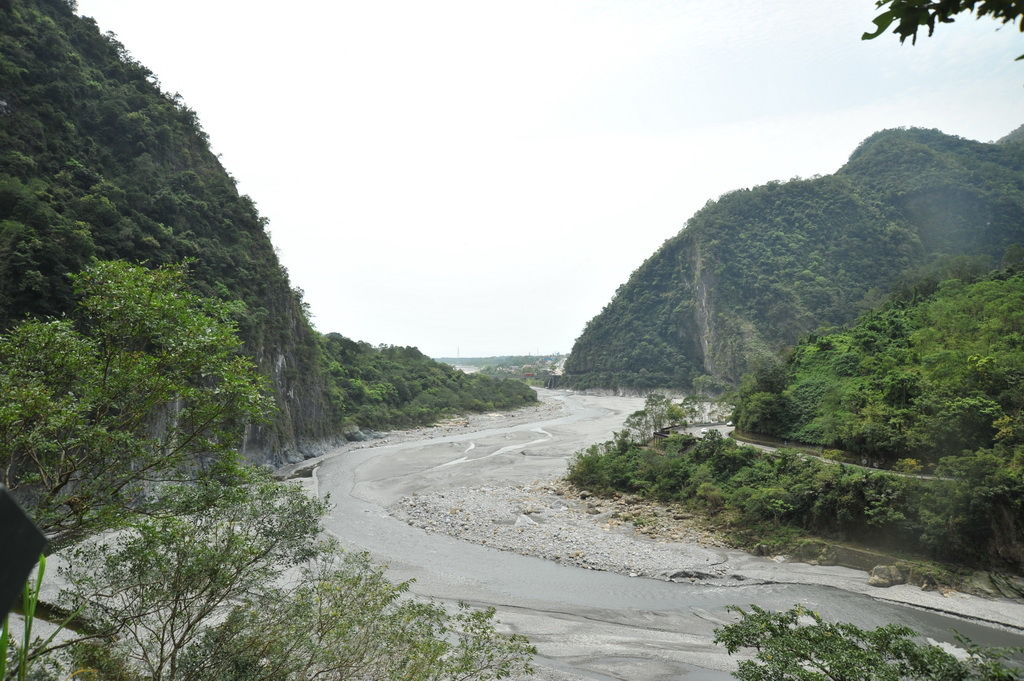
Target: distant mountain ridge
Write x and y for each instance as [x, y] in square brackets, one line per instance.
[756, 270]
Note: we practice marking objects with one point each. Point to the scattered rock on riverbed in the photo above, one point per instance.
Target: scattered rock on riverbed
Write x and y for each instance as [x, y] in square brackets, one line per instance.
[885, 575]
[548, 521]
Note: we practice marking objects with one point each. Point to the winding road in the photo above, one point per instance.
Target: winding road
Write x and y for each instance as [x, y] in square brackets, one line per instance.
[586, 624]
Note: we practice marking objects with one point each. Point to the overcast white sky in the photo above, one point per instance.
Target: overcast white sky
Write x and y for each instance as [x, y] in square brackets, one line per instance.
[479, 177]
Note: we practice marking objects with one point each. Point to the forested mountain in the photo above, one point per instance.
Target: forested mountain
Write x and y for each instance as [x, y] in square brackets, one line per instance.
[756, 270]
[1015, 137]
[400, 386]
[96, 162]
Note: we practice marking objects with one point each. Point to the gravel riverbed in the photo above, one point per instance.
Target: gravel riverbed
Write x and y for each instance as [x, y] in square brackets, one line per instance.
[549, 520]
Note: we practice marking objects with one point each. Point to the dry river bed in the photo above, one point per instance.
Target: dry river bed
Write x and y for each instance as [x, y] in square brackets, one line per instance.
[472, 511]
[548, 520]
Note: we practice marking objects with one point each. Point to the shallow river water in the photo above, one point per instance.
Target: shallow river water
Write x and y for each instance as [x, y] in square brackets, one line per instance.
[585, 623]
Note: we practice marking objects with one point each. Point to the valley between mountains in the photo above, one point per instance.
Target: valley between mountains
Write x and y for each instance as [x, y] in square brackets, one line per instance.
[596, 621]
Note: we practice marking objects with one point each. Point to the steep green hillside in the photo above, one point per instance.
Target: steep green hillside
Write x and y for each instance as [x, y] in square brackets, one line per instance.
[400, 386]
[938, 371]
[1015, 137]
[96, 162]
[754, 271]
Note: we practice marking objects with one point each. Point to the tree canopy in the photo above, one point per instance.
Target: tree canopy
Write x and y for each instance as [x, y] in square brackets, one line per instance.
[799, 645]
[937, 371]
[910, 16]
[144, 382]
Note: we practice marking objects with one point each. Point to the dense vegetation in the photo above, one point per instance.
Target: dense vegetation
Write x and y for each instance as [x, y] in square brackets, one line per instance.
[96, 162]
[938, 371]
[756, 270]
[400, 386]
[972, 513]
[799, 645]
[910, 16]
[86, 421]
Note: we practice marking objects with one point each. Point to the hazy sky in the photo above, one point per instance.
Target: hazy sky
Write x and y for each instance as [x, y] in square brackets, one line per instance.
[480, 176]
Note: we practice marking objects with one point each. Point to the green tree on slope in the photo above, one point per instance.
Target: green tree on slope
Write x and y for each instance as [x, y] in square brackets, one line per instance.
[143, 384]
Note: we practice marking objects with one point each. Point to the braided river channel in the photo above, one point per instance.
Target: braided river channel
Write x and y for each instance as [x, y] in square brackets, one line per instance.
[589, 624]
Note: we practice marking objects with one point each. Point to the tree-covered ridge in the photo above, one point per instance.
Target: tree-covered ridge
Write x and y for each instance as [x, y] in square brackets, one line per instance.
[938, 371]
[400, 386]
[96, 162]
[759, 268]
[1015, 137]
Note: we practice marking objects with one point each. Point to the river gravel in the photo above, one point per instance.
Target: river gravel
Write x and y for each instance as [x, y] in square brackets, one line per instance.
[549, 520]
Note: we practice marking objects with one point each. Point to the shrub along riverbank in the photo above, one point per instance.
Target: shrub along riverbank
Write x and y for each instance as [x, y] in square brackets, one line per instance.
[778, 498]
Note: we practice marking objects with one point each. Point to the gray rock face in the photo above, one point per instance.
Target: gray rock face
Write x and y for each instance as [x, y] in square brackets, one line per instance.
[524, 521]
[357, 436]
[885, 576]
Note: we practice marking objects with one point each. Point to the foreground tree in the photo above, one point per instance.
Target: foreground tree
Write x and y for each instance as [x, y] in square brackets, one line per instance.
[144, 384]
[910, 16]
[344, 620]
[658, 412]
[150, 590]
[798, 645]
[245, 590]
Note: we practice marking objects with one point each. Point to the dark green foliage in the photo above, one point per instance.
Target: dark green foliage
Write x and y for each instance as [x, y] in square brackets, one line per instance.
[144, 382]
[972, 515]
[937, 372]
[400, 386]
[910, 16]
[935, 378]
[798, 645]
[98, 161]
[758, 269]
[1015, 137]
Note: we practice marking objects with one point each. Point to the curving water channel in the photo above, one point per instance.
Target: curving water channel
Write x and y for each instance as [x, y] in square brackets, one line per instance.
[585, 624]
